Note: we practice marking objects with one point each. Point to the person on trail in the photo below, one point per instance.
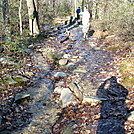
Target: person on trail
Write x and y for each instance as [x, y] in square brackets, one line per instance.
[78, 11]
[85, 22]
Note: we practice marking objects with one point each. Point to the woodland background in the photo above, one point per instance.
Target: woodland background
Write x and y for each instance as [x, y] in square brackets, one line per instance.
[26, 26]
[22, 19]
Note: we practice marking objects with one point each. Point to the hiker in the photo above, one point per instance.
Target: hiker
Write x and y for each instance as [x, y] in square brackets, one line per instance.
[78, 11]
[85, 22]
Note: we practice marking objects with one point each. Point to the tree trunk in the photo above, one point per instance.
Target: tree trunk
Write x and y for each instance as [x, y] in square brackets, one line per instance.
[75, 8]
[20, 17]
[54, 7]
[5, 11]
[83, 3]
[5, 18]
[33, 17]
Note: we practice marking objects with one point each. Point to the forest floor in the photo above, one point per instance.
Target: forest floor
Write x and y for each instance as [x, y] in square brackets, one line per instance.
[92, 67]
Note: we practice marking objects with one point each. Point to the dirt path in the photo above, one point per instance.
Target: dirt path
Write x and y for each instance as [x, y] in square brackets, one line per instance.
[93, 66]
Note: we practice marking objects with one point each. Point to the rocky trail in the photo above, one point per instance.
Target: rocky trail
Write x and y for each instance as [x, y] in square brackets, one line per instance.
[74, 90]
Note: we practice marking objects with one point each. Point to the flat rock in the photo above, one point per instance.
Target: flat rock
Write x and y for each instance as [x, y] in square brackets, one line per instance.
[79, 71]
[20, 78]
[60, 74]
[20, 96]
[93, 99]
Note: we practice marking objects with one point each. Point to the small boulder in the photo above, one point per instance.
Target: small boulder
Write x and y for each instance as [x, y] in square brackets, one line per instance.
[66, 97]
[75, 89]
[63, 62]
[7, 80]
[58, 90]
[20, 78]
[131, 116]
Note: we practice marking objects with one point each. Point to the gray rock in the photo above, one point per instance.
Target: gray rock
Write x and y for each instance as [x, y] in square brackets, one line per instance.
[59, 84]
[29, 73]
[66, 97]
[131, 116]
[97, 48]
[70, 66]
[92, 44]
[79, 71]
[45, 50]
[60, 74]
[7, 80]
[60, 55]
[20, 96]
[74, 87]
[58, 90]
[20, 78]
[93, 100]
[63, 61]
[7, 60]
[67, 56]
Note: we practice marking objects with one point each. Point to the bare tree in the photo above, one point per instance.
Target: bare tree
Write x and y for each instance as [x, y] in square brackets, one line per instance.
[20, 17]
[33, 17]
[4, 4]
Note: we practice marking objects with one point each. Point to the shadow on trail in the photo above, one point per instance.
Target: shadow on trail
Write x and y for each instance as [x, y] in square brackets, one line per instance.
[113, 111]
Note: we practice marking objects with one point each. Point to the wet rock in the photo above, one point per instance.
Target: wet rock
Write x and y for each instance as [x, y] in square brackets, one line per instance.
[66, 97]
[75, 89]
